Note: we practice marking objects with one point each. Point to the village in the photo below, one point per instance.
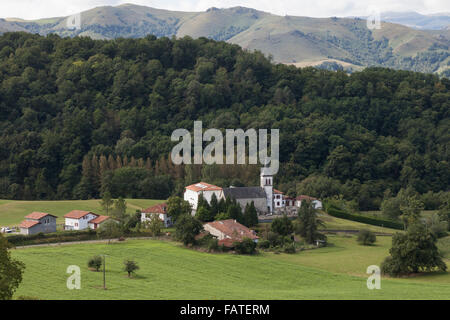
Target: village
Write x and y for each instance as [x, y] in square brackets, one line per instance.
[269, 203]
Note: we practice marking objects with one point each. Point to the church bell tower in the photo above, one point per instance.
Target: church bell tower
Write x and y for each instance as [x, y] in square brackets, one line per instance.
[267, 185]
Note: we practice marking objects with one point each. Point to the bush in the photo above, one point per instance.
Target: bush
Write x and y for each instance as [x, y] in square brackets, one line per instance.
[212, 245]
[246, 246]
[95, 262]
[274, 239]
[290, 248]
[130, 267]
[282, 226]
[366, 237]
[155, 225]
[264, 244]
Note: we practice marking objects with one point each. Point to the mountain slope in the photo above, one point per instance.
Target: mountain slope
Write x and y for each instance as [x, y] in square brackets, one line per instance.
[418, 21]
[289, 39]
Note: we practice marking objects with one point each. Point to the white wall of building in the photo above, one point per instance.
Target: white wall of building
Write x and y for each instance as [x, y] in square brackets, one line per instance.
[162, 216]
[79, 224]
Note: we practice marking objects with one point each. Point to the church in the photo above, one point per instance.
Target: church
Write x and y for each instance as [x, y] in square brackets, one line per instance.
[265, 197]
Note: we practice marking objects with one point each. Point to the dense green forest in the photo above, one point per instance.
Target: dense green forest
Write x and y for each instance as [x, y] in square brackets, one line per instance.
[81, 116]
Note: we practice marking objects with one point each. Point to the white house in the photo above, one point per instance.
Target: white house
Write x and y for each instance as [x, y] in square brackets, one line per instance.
[97, 222]
[278, 199]
[316, 202]
[159, 210]
[78, 220]
[192, 193]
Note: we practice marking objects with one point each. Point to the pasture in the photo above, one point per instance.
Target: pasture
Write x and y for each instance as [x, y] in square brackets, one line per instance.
[13, 212]
[170, 271]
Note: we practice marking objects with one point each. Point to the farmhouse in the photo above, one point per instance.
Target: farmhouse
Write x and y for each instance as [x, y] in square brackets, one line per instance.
[229, 231]
[316, 202]
[78, 219]
[159, 210]
[38, 222]
[97, 222]
[192, 193]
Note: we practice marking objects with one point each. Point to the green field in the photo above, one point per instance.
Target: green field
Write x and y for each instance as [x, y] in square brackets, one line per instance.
[170, 271]
[13, 212]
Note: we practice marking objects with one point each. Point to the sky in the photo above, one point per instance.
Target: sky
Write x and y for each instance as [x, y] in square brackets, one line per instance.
[35, 9]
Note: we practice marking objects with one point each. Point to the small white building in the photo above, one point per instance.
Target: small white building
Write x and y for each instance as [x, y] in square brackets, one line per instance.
[78, 219]
[278, 199]
[192, 193]
[160, 210]
[316, 202]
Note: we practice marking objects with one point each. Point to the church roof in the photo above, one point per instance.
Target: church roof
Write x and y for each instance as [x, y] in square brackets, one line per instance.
[203, 186]
[245, 192]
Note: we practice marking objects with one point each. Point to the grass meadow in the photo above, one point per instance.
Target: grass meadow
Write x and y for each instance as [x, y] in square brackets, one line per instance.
[170, 271]
[13, 212]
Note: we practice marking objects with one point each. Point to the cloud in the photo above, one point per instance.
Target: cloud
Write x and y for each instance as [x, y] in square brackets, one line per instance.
[31, 9]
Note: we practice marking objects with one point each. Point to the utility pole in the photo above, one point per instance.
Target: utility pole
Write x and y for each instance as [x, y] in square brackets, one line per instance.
[104, 271]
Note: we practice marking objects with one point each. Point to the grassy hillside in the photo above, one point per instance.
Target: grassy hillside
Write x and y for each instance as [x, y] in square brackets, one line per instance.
[13, 212]
[326, 273]
[288, 39]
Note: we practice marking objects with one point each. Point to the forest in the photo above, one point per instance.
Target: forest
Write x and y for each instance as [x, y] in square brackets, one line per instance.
[79, 117]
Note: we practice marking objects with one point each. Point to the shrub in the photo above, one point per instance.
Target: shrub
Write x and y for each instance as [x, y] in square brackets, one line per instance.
[155, 225]
[130, 267]
[212, 245]
[282, 226]
[290, 248]
[246, 246]
[221, 216]
[264, 244]
[274, 239]
[366, 237]
[95, 262]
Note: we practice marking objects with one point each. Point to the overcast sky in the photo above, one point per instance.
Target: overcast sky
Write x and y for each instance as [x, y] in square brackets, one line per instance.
[33, 9]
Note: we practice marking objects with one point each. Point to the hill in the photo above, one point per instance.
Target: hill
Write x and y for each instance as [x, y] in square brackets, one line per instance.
[335, 272]
[437, 21]
[81, 116]
[288, 39]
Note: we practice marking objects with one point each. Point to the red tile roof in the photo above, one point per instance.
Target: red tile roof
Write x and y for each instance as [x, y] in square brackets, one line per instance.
[277, 191]
[233, 230]
[159, 208]
[99, 219]
[38, 215]
[77, 214]
[203, 186]
[307, 198]
[28, 224]
[227, 242]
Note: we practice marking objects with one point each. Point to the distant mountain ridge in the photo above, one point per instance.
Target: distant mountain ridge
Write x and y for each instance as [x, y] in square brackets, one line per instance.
[438, 21]
[335, 42]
